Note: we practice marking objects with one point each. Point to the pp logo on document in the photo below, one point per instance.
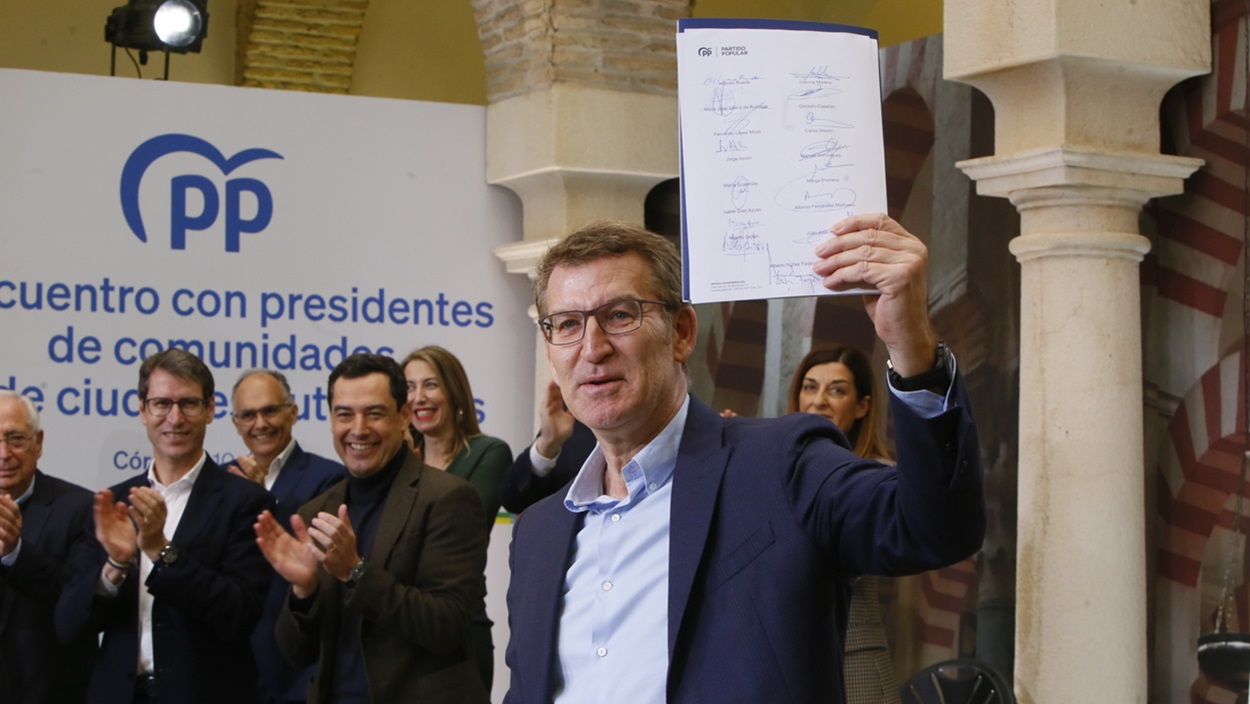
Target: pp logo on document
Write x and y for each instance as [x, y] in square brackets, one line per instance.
[195, 201]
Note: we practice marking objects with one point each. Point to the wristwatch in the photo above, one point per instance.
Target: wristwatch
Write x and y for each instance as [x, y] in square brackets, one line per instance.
[168, 554]
[937, 378]
[353, 577]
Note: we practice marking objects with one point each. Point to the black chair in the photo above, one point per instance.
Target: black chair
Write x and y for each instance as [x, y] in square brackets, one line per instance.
[958, 681]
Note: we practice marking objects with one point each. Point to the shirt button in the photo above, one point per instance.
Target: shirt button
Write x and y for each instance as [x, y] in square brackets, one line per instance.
[602, 652]
[607, 586]
[653, 486]
[616, 518]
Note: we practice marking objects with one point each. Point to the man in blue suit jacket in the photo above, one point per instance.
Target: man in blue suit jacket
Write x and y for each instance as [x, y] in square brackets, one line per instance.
[696, 558]
[175, 582]
[552, 460]
[264, 413]
[43, 523]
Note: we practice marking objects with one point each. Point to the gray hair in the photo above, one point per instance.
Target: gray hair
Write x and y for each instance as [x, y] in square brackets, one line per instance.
[281, 378]
[32, 413]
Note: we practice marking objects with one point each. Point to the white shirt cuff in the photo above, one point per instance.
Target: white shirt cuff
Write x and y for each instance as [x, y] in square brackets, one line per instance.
[540, 466]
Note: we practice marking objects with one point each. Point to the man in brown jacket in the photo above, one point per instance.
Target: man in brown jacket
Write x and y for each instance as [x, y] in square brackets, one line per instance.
[385, 566]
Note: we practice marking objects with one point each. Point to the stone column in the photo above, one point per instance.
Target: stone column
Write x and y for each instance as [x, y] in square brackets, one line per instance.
[1076, 87]
[582, 115]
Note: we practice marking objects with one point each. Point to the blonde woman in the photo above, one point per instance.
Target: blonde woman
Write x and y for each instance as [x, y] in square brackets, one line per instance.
[446, 434]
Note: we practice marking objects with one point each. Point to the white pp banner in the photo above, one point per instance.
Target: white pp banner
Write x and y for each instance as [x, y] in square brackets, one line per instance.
[254, 228]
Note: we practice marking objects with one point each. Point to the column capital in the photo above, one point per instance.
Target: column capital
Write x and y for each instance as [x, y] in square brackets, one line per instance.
[575, 154]
[1080, 168]
[1069, 188]
[522, 257]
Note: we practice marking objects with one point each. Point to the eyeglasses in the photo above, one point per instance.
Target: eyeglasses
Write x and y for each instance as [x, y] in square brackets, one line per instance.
[268, 413]
[16, 441]
[615, 318]
[189, 407]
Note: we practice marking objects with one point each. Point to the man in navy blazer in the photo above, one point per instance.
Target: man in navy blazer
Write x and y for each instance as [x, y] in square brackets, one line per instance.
[696, 558]
[175, 581]
[43, 522]
[264, 413]
[551, 461]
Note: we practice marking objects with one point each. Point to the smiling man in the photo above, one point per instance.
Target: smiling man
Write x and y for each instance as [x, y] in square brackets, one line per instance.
[385, 567]
[176, 581]
[696, 558]
[265, 415]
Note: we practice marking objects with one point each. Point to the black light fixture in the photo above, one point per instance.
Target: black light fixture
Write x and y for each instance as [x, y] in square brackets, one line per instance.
[171, 26]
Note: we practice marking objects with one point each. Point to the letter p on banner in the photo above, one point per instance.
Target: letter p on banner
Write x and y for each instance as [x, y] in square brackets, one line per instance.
[179, 220]
[235, 224]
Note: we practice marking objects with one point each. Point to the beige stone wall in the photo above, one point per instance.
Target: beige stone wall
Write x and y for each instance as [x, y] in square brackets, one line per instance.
[625, 45]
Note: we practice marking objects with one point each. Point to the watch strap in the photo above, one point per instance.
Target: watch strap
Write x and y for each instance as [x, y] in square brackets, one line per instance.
[939, 377]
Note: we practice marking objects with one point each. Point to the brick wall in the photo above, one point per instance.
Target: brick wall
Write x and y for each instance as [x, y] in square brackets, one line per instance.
[305, 45]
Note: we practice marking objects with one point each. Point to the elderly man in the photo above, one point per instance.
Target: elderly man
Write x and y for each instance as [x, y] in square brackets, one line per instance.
[384, 567]
[264, 415]
[696, 558]
[176, 581]
[43, 522]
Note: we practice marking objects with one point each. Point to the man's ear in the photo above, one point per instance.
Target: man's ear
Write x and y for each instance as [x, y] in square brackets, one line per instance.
[685, 332]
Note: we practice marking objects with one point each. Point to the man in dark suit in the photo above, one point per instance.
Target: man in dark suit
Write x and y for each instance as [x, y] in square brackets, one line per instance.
[43, 521]
[176, 582]
[547, 465]
[385, 567]
[264, 414]
[697, 558]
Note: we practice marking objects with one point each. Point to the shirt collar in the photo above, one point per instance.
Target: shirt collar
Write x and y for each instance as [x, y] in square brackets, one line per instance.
[21, 500]
[280, 461]
[187, 479]
[649, 470]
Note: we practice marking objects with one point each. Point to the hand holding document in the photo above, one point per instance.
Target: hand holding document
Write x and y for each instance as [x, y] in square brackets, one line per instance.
[780, 138]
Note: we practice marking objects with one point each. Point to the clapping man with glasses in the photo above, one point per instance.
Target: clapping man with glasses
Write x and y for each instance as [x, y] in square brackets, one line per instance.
[176, 582]
[264, 415]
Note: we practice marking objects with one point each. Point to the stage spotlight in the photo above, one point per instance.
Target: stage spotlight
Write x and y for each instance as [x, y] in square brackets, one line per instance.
[171, 26]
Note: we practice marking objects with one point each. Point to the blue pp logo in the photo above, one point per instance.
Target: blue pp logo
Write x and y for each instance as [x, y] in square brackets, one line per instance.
[181, 221]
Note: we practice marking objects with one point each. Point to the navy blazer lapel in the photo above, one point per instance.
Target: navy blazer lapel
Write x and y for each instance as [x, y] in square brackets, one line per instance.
[701, 461]
[206, 496]
[37, 509]
[547, 568]
[290, 476]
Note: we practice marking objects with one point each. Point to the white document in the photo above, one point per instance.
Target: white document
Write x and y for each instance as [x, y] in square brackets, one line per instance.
[780, 138]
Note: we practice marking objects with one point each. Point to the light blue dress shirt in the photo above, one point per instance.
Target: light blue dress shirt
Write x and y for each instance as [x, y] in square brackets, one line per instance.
[613, 640]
